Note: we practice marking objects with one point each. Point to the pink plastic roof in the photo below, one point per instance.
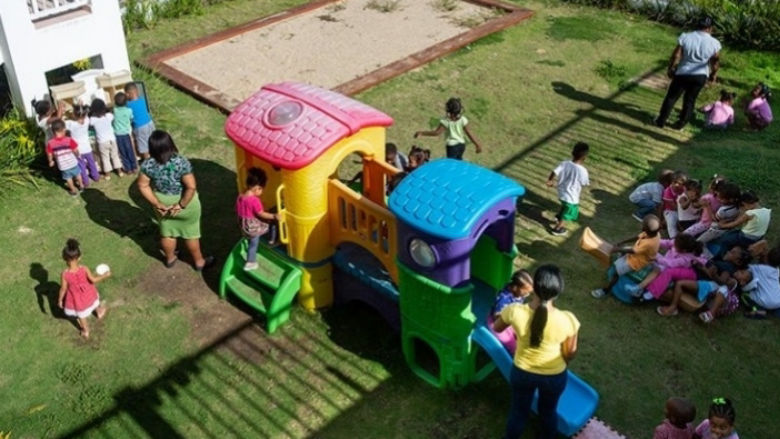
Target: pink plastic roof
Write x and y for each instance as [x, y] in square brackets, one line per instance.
[326, 118]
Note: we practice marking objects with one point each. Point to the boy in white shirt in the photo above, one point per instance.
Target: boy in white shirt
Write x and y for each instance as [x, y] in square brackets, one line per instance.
[647, 197]
[760, 289]
[572, 176]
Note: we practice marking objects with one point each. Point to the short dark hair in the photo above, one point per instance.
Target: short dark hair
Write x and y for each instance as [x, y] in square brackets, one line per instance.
[693, 185]
[42, 107]
[98, 108]
[161, 146]
[705, 22]
[681, 411]
[130, 86]
[391, 148]
[726, 95]
[256, 177]
[80, 111]
[730, 191]
[454, 106]
[120, 99]
[58, 125]
[580, 150]
[748, 197]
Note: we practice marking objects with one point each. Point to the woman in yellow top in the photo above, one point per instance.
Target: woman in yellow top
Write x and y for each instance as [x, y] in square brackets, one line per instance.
[546, 342]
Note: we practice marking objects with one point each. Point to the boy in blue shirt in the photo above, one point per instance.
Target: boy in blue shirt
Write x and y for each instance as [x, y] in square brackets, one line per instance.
[142, 120]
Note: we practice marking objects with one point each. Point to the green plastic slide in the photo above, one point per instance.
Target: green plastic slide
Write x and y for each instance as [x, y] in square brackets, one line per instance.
[270, 289]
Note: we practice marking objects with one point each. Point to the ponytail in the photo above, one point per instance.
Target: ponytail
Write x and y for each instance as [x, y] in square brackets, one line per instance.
[548, 284]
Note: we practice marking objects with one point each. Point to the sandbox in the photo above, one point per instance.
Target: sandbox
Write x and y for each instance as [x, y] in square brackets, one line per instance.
[345, 45]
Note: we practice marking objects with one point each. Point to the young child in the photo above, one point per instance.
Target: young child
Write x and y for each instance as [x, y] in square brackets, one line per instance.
[45, 114]
[719, 423]
[79, 131]
[63, 150]
[417, 158]
[722, 268]
[720, 114]
[669, 198]
[457, 128]
[142, 120]
[760, 289]
[518, 290]
[709, 205]
[78, 296]
[572, 176]
[753, 222]
[702, 290]
[122, 124]
[680, 413]
[729, 196]
[681, 253]
[688, 206]
[647, 197]
[636, 258]
[253, 219]
[102, 121]
[394, 157]
[758, 111]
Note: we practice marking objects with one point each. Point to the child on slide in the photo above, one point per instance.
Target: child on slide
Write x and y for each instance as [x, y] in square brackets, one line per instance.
[518, 290]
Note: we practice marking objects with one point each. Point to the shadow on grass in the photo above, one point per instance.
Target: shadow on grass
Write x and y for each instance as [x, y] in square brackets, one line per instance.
[47, 293]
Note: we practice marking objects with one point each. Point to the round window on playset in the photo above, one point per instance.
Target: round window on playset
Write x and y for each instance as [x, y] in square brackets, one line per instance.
[422, 253]
[283, 113]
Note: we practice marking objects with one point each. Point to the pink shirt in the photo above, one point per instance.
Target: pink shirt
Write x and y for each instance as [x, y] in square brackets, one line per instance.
[719, 113]
[667, 430]
[760, 107]
[703, 430]
[670, 197]
[674, 259]
[712, 200]
[248, 206]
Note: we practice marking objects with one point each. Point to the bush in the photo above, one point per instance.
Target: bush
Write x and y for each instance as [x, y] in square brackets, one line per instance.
[20, 144]
[746, 23]
[140, 14]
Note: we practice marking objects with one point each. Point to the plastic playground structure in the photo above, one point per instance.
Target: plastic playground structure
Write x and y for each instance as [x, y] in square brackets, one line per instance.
[430, 257]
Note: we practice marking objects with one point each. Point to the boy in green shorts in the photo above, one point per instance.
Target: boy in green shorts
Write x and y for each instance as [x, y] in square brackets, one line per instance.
[572, 176]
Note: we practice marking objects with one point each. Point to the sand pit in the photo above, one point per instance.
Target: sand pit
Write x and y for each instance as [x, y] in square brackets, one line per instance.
[347, 45]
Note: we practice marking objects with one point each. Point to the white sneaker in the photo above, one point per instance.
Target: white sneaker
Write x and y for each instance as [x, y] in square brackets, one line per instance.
[648, 296]
[598, 294]
[634, 290]
[636, 217]
[250, 266]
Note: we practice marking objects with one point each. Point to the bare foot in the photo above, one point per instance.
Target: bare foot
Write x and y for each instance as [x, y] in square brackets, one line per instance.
[85, 334]
[667, 311]
[101, 312]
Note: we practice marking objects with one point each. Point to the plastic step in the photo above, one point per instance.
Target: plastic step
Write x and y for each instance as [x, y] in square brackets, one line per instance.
[252, 295]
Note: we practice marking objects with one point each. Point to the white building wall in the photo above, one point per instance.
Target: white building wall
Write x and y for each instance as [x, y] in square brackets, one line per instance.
[30, 52]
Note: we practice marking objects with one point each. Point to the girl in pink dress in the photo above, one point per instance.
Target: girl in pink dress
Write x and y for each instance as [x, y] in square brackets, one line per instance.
[78, 295]
[709, 206]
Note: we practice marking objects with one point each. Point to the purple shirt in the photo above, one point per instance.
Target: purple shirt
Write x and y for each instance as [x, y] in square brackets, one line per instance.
[719, 113]
[667, 430]
[760, 107]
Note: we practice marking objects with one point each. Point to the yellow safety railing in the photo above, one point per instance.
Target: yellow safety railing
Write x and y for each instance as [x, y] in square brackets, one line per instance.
[284, 236]
[356, 219]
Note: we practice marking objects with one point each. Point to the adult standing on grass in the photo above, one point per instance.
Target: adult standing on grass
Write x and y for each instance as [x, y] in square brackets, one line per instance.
[168, 184]
[546, 342]
[695, 60]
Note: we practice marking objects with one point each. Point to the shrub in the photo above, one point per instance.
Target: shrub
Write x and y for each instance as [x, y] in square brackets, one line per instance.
[746, 23]
[20, 143]
[140, 14]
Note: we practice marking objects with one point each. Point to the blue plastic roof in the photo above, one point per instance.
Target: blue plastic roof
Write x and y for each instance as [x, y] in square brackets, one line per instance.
[446, 197]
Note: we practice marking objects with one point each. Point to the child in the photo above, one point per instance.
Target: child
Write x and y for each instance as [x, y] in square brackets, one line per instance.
[720, 421]
[417, 158]
[669, 198]
[65, 151]
[519, 288]
[688, 207]
[79, 131]
[709, 205]
[254, 220]
[647, 197]
[395, 158]
[702, 290]
[636, 258]
[760, 289]
[101, 120]
[722, 268]
[684, 252]
[753, 220]
[572, 176]
[720, 114]
[142, 121]
[45, 114]
[456, 125]
[729, 196]
[758, 111]
[122, 125]
[78, 296]
[679, 413]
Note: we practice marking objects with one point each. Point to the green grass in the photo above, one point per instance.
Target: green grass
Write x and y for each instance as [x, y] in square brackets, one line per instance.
[530, 91]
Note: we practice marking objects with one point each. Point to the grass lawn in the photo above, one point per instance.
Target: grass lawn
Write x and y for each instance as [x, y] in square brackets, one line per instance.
[171, 360]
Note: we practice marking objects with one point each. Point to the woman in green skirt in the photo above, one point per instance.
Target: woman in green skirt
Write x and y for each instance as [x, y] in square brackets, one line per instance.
[168, 184]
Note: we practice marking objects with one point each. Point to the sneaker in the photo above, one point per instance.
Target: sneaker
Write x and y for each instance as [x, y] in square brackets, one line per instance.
[106, 177]
[647, 296]
[121, 174]
[560, 231]
[250, 266]
[598, 294]
[706, 317]
[636, 217]
[635, 290]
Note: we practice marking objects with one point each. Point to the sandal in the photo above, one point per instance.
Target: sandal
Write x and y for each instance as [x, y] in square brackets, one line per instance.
[171, 263]
[706, 317]
[208, 261]
[661, 312]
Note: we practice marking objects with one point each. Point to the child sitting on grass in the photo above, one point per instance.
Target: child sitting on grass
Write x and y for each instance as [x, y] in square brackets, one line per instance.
[679, 414]
[253, 219]
[647, 197]
[457, 128]
[753, 223]
[688, 207]
[720, 114]
[636, 258]
[701, 290]
[78, 296]
[63, 150]
[669, 198]
[709, 205]
[760, 289]
[719, 423]
[684, 252]
[729, 196]
[572, 176]
[758, 111]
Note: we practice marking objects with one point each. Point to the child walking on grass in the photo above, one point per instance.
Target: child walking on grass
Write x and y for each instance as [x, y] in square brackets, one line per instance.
[456, 125]
[572, 176]
[253, 219]
[79, 131]
[719, 423]
[720, 114]
[679, 414]
[63, 150]
[78, 296]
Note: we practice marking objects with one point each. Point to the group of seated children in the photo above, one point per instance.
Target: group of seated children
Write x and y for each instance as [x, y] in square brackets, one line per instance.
[720, 114]
[679, 416]
[716, 250]
[68, 142]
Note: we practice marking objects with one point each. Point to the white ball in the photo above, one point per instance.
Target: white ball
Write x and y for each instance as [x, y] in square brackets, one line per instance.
[102, 269]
